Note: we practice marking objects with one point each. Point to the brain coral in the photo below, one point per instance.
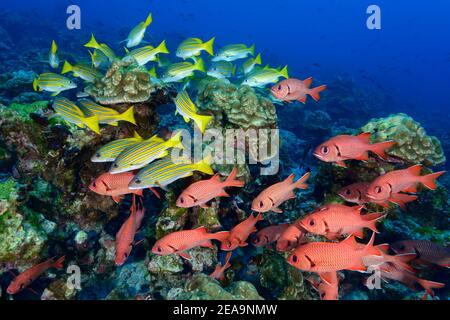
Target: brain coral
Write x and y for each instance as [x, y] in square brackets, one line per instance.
[413, 144]
[241, 106]
[124, 82]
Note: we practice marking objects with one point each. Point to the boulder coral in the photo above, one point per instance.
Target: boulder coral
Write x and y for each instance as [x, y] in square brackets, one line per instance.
[124, 82]
[413, 144]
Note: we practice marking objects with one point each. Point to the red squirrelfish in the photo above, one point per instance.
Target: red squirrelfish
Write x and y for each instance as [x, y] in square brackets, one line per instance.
[115, 185]
[357, 193]
[328, 286]
[336, 220]
[239, 234]
[199, 193]
[269, 234]
[346, 147]
[391, 271]
[291, 237]
[426, 251]
[276, 194]
[179, 242]
[125, 236]
[294, 89]
[396, 181]
[329, 257]
[219, 271]
[24, 279]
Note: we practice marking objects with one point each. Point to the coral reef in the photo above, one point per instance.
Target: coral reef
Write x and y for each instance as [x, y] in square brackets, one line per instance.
[202, 287]
[124, 82]
[413, 144]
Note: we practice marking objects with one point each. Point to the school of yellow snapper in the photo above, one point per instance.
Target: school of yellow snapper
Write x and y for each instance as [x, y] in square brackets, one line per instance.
[138, 164]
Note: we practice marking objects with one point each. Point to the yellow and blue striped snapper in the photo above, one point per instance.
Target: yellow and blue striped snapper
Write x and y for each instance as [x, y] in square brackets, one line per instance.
[142, 153]
[145, 54]
[106, 115]
[234, 52]
[250, 64]
[52, 82]
[53, 59]
[107, 51]
[221, 70]
[97, 58]
[263, 76]
[81, 71]
[179, 71]
[70, 112]
[188, 110]
[193, 47]
[110, 151]
[137, 34]
[163, 172]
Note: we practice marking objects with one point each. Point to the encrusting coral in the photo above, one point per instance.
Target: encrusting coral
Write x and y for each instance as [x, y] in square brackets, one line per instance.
[413, 144]
[124, 82]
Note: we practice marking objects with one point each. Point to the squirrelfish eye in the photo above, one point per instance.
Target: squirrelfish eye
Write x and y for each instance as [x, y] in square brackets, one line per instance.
[279, 87]
[312, 222]
[182, 200]
[348, 192]
[159, 249]
[377, 189]
[294, 258]
[93, 184]
[261, 204]
[325, 150]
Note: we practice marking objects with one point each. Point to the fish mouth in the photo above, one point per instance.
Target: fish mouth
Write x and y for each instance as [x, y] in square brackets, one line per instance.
[371, 197]
[317, 155]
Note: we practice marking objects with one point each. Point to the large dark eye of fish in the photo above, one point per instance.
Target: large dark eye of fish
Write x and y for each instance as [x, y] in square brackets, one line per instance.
[181, 200]
[312, 223]
[279, 87]
[325, 150]
[159, 249]
[261, 204]
[98, 155]
[348, 192]
[378, 189]
[115, 165]
[294, 258]
[94, 185]
[137, 181]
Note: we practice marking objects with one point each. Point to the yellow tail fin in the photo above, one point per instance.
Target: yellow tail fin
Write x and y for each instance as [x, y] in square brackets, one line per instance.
[258, 59]
[54, 47]
[204, 166]
[199, 65]
[128, 116]
[209, 46]
[252, 50]
[152, 72]
[92, 123]
[137, 136]
[35, 84]
[175, 141]
[67, 67]
[284, 72]
[162, 47]
[202, 121]
[148, 21]
[93, 43]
